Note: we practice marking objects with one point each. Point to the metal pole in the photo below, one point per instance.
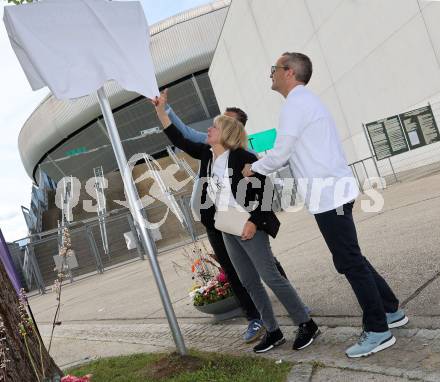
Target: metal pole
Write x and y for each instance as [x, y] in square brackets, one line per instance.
[378, 172]
[101, 210]
[136, 237]
[373, 155]
[136, 207]
[392, 168]
[36, 269]
[366, 173]
[357, 177]
[187, 216]
[94, 249]
[103, 231]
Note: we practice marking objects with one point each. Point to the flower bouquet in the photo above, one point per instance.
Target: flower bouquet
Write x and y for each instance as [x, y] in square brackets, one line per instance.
[211, 282]
[214, 290]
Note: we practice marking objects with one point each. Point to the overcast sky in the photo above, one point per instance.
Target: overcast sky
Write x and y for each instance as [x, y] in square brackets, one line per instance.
[17, 101]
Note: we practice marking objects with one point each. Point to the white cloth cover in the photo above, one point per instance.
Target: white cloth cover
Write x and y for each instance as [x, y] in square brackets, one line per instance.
[75, 46]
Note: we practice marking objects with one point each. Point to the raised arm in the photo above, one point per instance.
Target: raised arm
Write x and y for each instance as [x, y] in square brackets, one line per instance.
[187, 132]
[175, 136]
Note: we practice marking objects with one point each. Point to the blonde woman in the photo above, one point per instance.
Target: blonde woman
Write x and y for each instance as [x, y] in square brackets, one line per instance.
[221, 162]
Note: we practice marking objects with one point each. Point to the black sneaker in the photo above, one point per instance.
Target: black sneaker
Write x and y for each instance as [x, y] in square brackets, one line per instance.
[307, 332]
[269, 341]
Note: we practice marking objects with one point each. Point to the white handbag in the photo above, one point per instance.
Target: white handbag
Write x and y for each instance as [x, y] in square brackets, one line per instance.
[231, 220]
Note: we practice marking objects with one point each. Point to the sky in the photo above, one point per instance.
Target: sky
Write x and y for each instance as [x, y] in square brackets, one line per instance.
[17, 101]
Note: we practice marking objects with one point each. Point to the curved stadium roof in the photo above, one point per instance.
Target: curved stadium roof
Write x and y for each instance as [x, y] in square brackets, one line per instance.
[181, 45]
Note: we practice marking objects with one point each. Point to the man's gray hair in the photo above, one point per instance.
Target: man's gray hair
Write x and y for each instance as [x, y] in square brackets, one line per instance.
[301, 64]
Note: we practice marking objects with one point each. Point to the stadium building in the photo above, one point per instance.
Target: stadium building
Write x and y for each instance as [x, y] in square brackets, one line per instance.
[376, 67]
[64, 139]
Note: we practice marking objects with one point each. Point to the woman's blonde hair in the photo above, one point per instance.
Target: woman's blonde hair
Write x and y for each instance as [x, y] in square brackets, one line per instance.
[232, 135]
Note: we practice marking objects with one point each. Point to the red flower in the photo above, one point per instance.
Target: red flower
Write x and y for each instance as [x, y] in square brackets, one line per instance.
[222, 278]
[72, 378]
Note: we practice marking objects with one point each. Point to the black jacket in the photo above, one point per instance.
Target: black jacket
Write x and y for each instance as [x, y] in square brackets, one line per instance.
[265, 219]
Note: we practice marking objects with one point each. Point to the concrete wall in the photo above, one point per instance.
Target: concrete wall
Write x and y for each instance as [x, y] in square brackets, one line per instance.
[372, 59]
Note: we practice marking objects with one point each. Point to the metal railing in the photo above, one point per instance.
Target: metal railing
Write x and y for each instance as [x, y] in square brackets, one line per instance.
[37, 253]
[366, 169]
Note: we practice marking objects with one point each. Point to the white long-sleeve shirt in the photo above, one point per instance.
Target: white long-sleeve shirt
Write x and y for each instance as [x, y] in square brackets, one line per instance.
[307, 139]
[219, 186]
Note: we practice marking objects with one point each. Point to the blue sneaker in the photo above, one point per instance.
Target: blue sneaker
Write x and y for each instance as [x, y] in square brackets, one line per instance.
[370, 343]
[254, 331]
[397, 319]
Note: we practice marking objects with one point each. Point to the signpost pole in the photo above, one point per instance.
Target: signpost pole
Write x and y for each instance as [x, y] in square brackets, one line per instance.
[373, 155]
[136, 210]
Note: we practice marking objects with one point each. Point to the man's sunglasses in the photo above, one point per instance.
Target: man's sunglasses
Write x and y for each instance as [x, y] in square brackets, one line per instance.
[274, 68]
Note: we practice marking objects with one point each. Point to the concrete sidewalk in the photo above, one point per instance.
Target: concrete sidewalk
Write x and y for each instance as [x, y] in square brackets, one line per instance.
[120, 312]
[415, 356]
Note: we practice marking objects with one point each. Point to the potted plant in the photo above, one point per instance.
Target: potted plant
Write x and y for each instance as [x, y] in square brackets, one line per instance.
[211, 292]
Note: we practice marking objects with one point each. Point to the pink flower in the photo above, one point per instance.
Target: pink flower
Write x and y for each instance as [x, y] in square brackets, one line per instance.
[72, 378]
[222, 278]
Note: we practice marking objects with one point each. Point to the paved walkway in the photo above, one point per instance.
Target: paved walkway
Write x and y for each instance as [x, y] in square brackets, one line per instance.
[119, 312]
[415, 356]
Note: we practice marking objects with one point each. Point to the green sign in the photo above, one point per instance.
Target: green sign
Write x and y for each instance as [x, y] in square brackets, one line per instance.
[262, 141]
[76, 151]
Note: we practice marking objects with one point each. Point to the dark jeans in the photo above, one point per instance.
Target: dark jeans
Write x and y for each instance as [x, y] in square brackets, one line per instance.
[216, 240]
[372, 292]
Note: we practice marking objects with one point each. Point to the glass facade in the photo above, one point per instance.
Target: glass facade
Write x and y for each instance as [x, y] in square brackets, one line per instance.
[39, 203]
[192, 99]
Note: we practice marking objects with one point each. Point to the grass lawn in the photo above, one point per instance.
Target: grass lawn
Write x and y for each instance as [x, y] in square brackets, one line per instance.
[196, 367]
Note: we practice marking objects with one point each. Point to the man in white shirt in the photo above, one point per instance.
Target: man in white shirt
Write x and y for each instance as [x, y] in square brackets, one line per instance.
[308, 140]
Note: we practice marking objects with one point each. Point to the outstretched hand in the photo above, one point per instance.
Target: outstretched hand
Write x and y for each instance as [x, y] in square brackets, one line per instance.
[160, 102]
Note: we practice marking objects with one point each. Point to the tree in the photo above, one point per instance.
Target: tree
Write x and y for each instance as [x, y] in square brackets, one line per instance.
[22, 353]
